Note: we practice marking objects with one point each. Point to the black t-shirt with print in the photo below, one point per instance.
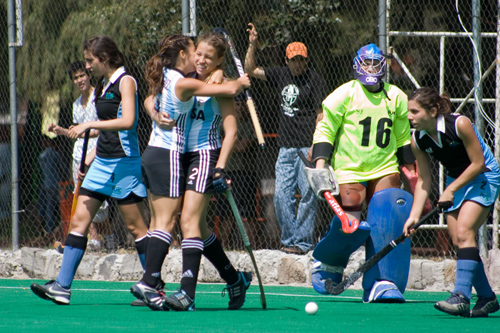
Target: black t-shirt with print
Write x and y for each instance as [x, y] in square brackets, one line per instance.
[300, 97]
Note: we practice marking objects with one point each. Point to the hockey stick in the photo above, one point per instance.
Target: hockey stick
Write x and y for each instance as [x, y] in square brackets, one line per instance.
[250, 103]
[333, 289]
[244, 235]
[59, 246]
[348, 227]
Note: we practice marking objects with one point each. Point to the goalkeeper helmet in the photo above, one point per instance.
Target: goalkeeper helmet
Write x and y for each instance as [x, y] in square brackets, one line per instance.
[369, 65]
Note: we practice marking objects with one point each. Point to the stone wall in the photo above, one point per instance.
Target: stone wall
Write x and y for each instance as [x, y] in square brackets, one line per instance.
[275, 268]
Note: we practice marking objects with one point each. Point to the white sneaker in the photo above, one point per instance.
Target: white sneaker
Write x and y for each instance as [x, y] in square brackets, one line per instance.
[93, 245]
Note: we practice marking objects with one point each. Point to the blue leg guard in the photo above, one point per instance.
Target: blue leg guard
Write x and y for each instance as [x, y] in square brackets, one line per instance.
[387, 213]
[332, 253]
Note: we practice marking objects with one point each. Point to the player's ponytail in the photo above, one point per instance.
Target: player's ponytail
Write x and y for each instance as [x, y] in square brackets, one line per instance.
[169, 49]
[444, 104]
[429, 98]
[153, 73]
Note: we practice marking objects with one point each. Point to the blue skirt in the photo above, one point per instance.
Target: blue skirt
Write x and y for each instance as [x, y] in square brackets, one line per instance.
[483, 189]
[115, 177]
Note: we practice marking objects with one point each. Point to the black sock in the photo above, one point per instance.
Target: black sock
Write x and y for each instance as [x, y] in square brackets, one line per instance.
[157, 250]
[141, 246]
[213, 251]
[192, 248]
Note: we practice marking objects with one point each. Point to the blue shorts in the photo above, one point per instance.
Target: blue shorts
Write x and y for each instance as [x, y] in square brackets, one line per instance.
[115, 177]
[483, 189]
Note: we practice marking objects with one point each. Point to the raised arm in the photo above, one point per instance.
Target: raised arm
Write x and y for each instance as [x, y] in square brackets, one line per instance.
[250, 63]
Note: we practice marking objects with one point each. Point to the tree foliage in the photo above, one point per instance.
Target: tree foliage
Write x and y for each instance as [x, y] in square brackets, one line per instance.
[333, 30]
[56, 29]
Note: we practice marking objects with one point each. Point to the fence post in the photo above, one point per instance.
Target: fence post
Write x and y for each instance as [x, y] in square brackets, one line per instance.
[13, 125]
[496, 149]
[476, 58]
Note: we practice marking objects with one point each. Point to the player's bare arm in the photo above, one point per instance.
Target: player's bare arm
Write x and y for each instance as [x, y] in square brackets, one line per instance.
[474, 152]
[128, 90]
[230, 130]
[160, 118]
[250, 63]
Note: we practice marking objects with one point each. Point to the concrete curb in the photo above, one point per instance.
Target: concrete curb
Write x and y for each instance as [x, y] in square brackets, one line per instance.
[275, 267]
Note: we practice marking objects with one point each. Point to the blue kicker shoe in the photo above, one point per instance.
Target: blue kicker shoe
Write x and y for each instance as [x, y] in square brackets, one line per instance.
[456, 305]
[180, 301]
[485, 306]
[153, 297]
[383, 292]
[237, 292]
[52, 291]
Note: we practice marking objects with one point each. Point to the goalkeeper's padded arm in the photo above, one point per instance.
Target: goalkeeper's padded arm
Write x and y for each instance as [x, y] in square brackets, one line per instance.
[322, 150]
[405, 155]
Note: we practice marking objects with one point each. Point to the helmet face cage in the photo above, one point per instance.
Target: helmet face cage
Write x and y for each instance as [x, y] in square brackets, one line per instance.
[369, 56]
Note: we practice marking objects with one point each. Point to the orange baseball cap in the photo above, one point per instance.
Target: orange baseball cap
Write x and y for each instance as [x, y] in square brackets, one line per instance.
[296, 49]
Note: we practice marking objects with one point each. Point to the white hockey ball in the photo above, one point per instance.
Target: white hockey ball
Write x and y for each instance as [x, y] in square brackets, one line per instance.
[311, 308]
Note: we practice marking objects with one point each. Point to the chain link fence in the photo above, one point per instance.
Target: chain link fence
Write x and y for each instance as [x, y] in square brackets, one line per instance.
[333, 30]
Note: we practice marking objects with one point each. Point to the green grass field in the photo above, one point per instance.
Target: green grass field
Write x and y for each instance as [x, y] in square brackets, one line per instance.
[98, 306]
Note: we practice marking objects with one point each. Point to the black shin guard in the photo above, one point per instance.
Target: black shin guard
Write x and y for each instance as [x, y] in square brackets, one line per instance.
[192, 249]
[157, 250]
[215, 254]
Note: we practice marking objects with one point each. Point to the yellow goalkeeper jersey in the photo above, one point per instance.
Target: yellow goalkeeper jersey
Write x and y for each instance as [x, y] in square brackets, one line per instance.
[366, 130]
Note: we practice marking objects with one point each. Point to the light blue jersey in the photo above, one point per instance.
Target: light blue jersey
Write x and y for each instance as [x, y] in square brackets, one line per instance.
[176, 110]
[206, 119]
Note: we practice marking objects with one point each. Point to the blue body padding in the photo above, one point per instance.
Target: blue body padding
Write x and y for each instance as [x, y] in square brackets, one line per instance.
[387, 213]
[319, 275]
[336, 247]
[334, 250]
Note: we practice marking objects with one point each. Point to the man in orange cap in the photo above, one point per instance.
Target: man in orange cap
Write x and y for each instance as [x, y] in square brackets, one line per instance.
[301, 92]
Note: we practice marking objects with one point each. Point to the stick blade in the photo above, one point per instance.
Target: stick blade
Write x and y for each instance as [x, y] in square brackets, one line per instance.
[336, 289]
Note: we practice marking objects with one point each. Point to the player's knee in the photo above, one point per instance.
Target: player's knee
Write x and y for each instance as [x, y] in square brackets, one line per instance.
[80, 224]
[138, 230]
[352, 201]
[352, 197]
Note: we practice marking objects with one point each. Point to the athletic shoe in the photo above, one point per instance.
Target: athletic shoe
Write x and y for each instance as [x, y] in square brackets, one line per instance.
[52, 291]
[485, 306]
[93, 245]
[237, 292]
[456, 305]
[153, 297]
[138, 302]
[180, 301]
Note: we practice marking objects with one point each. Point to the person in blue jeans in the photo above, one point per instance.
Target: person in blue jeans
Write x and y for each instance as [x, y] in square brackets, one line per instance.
[301, 91]
[48, 203]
